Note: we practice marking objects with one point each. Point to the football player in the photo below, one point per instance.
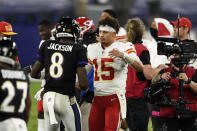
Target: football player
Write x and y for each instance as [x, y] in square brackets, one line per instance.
[62, 59]
[110, 59]
[6, 32]
[46, 32]
[15, 99]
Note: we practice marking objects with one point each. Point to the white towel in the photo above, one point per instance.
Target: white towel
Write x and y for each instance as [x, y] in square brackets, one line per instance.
[50, 99]
[38, 94]
[123, 106]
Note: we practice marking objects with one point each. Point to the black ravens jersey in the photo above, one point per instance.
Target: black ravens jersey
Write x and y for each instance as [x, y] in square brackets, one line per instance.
[60, 61]
[14, 88]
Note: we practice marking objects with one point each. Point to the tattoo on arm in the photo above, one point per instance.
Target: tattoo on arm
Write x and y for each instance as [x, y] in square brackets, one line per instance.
[156, 78]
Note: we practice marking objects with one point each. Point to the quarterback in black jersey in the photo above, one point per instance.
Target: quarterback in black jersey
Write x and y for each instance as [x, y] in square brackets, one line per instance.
[62, 59]
[15, 100]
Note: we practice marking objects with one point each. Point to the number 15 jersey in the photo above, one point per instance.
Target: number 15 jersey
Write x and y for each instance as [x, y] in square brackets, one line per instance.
[110, 74]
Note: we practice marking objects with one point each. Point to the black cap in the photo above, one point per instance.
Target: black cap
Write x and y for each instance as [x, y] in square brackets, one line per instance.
[111, 12]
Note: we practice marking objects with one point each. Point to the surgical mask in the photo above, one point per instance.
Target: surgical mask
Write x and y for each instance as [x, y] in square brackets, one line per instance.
[154, 33]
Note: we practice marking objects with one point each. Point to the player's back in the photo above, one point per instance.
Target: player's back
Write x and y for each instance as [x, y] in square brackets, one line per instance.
[14, 88]
[61, 61]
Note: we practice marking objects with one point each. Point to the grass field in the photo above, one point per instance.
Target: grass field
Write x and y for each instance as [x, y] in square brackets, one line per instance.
[32, 124]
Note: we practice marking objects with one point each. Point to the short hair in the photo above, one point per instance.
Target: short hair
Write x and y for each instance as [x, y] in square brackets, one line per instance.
[111, 13]
[112, 22]
[135, 28]
[46, 23]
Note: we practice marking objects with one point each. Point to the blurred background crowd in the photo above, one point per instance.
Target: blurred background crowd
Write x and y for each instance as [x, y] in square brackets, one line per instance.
[25, 15]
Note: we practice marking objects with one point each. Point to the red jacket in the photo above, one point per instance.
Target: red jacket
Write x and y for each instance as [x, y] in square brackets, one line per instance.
[134, 86]
[189, 96]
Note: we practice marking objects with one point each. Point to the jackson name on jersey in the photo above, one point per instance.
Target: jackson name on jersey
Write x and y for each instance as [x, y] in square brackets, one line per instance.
[54, 46]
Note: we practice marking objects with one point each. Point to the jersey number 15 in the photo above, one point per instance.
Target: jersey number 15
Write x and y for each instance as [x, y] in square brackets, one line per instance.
[104, 68]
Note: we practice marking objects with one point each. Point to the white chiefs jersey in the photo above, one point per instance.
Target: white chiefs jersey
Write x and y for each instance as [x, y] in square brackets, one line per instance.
[110, 74]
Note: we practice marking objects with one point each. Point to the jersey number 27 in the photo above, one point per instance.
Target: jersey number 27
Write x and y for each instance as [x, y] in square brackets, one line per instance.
[8, 85]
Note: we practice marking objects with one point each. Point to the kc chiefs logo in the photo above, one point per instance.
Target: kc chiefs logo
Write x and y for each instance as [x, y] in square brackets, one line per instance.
[88, 22]
[8, 28]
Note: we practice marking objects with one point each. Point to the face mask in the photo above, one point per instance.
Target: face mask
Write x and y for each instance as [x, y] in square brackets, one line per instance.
[153, 33]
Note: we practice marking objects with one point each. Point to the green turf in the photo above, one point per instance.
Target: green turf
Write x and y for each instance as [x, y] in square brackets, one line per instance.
[32, 124]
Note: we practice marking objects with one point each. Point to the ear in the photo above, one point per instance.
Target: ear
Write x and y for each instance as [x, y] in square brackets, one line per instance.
[186, 29]
[114, 34]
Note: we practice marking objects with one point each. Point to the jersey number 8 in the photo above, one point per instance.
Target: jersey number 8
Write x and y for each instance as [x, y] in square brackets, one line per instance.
[56, 69]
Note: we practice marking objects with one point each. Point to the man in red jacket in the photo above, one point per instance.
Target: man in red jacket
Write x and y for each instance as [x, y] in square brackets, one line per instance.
[189, 76]
[190, 90]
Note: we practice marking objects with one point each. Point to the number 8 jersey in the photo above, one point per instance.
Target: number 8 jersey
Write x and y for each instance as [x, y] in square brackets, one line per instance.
[110, 74]
[60, 62]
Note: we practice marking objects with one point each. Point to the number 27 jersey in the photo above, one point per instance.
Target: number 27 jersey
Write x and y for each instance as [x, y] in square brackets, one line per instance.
[14, 88]
[110, 74]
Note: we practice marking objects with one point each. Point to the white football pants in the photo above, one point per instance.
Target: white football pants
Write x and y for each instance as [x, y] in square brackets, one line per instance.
[65, 109]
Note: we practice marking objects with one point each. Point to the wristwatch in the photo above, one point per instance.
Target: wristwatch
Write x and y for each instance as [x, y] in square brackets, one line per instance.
[188, 81]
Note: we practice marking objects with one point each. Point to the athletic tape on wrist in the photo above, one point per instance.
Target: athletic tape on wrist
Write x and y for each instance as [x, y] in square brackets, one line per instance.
[128, 59]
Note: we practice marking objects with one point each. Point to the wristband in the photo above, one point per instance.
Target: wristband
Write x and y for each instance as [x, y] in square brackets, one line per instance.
[128, 59]
[188, 81]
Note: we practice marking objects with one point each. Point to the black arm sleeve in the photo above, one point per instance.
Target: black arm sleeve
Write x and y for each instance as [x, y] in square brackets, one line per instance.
[194, 78]
[145, 57]
[82, 57]
[40, 55]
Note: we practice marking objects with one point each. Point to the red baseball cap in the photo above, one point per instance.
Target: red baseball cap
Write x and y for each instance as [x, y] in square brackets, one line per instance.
[183, 22]
[6, 28]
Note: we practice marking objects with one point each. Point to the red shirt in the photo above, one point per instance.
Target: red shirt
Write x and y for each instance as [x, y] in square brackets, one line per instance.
[136, 82]
[189, 96]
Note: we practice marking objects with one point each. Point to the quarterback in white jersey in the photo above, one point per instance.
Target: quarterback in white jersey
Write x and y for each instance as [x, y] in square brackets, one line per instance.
[110, 59]
[109, 72]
